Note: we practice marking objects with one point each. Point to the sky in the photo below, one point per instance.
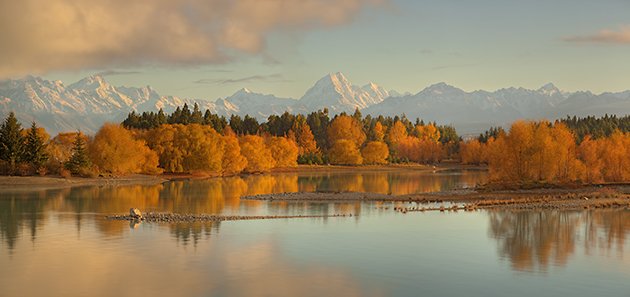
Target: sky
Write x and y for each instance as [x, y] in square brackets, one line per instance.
[211, 48]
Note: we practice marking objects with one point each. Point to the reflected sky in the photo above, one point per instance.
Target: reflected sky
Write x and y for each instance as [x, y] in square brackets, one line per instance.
[60, 241]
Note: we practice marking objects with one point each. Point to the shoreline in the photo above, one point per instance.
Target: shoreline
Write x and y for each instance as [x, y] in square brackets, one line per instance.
[34, 183]
[30, 183]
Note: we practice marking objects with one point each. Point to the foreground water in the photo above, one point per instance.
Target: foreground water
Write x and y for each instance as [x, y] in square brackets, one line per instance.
[57, 243]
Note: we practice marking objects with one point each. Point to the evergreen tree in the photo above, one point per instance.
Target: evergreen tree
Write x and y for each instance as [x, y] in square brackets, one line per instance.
[196, 117]
[79, 159]
[35, 149]
[11, 142]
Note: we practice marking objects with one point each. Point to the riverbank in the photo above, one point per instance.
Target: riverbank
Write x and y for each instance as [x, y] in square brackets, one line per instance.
[21, 183]
[31, 183]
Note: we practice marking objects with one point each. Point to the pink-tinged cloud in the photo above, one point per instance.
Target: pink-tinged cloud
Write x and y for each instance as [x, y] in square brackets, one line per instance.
[621, 36]
[41, 36]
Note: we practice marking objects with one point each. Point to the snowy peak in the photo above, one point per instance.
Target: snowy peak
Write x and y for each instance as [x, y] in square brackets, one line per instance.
[336, 93]
[549, 89]
[441, 89]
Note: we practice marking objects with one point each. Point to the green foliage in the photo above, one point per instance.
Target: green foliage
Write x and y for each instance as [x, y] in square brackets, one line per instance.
[35, 148]
[596, 127]
[11, 142]
[79, 161]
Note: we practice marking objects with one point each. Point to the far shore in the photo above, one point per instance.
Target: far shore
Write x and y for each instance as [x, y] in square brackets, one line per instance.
[29, 183]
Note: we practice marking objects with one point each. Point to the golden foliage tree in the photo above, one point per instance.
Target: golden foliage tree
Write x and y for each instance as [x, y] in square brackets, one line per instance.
[378, 132]
[233, 161]
[396, 134]
[616, 157]
[590, 152]
[115, 151]
[471, 152]
[258, 155]
[428, 132]
[305, 140]
[187, 148]
[375, 152]
[346, 127]
[345, 152]
[284, 151]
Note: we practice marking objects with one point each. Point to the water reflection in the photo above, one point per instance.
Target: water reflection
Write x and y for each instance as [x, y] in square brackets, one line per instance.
[537, 240]
[25, 211]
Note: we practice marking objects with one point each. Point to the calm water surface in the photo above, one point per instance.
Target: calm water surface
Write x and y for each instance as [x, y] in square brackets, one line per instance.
[57, 243]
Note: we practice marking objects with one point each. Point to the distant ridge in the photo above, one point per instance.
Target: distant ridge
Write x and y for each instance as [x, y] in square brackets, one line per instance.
[90, 102]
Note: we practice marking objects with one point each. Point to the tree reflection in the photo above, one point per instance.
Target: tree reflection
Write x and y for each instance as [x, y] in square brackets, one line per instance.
[25, 211]
[536, 240]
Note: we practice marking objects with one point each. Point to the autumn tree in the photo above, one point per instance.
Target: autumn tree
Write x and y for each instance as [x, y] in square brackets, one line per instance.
[590, 152]
[187, 148]
[396, 134]
[345, 152]
[616, 157]
[233, 161]
[375, 152]
[471, 152]
[284, 151]
[346, 127]
[305, 140]
[377, 132]
[258, 155]
[114, 150]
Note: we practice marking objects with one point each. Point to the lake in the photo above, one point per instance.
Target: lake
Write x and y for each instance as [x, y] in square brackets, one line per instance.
[58, 243]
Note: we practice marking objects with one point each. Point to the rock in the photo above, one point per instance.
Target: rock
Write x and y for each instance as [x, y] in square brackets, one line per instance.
[135, 213]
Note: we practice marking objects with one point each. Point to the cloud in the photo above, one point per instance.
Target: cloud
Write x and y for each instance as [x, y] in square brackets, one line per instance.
[620, 36]
[276, 77]
[41, 36]
[116, 72]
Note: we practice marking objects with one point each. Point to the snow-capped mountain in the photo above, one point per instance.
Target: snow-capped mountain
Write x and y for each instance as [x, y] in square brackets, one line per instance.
[90, 102]
[336, 93]
[472, 112]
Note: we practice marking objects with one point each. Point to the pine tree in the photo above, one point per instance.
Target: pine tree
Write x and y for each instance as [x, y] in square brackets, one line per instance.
[35, 149]
[11, 142]
[79, 159]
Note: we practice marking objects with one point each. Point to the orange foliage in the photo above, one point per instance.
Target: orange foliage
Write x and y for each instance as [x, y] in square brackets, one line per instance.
[346, 127]
[472, 152]
[396, 134]
[375, 152]
[616, 158]
[428, 132]
[378, 132]
[258, 155]
[233, 161]
[187, 148]
[345, 152]
[284, 151]
[115, 151]
[535, 151]
[305, 140]
[422, 151]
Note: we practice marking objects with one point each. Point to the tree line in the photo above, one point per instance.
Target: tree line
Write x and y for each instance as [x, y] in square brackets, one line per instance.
[542, 152]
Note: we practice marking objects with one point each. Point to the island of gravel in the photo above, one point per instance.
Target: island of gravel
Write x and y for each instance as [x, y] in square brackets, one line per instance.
[562, 198]
[159, 217]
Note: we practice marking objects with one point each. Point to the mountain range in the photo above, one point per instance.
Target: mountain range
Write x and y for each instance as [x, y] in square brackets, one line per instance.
[90, 102]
